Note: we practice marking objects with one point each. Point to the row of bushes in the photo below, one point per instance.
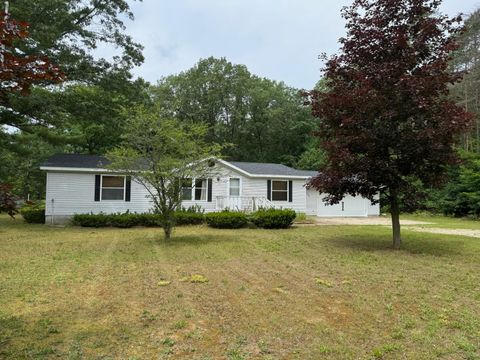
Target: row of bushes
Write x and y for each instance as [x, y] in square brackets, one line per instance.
[268, 219]
[127, 220]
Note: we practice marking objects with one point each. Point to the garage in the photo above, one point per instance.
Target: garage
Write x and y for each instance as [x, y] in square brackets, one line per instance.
[350, 206]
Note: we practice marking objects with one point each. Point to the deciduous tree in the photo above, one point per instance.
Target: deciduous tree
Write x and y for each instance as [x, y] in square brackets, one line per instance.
[162, 155]
[385, 120]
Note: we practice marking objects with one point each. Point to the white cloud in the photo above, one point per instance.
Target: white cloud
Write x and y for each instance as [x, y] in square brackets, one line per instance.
[278, 39]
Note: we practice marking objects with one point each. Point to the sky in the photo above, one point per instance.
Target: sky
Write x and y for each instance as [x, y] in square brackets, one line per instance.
[277, 39]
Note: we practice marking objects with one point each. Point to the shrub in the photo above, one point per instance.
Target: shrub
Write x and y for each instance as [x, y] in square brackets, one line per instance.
[273, 218]
[148, 220]
[91, 220]
[226, 219]
[128, 220]
[189, 218]
[125, 220]
[34, 213]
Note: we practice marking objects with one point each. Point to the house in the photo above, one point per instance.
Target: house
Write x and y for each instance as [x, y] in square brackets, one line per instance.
[82, 184]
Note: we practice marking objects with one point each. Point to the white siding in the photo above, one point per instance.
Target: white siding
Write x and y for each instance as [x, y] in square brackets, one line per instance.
[73, 193]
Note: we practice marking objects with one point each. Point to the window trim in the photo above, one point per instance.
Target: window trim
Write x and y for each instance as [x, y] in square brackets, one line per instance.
[287, 191]
[124, 187]
[239, 186]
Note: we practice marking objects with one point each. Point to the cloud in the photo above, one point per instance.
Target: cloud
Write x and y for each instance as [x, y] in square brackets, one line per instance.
[278, 39]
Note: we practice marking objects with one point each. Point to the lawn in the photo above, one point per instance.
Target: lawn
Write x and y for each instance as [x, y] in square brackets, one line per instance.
[330, 292]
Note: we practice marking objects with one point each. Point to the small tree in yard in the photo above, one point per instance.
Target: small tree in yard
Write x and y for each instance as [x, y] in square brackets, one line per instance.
[7, 200]
[162, 155]
[385, 120]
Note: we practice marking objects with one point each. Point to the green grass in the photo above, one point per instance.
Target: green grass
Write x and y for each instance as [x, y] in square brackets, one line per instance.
[327, 292]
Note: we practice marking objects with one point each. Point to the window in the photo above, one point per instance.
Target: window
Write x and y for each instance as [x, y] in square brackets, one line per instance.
[234, 187]
[187, 189]
[200, 189]
[113, 187]
[279, 190]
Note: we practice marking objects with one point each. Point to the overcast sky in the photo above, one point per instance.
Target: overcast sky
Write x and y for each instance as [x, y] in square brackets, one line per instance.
[277, 39]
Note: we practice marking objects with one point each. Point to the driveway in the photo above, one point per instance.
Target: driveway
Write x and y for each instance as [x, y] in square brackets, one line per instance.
[386, 221]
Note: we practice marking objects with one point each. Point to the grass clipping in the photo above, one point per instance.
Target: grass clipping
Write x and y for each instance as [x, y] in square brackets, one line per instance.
[195, 279]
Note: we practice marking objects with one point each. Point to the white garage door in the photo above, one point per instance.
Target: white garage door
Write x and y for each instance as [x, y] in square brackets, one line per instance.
[349, 206]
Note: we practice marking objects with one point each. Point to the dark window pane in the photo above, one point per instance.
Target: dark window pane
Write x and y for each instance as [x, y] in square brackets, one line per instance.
[201, 194]
[279, 185]
[113, 181]
[279, 195]
[187, 193]
[200, 183]
[112, 194]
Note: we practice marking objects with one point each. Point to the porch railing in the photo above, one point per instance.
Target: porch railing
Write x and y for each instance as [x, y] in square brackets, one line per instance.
[243, 203]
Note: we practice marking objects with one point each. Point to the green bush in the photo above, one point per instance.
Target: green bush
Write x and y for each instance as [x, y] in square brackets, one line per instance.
[189, 218]
[125, 220]
[273, 218]
[128, 220]
[226, 219]
[34, 213]
[91, 220]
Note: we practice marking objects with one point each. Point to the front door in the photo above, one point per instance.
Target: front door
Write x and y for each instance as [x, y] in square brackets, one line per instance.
[234, 194]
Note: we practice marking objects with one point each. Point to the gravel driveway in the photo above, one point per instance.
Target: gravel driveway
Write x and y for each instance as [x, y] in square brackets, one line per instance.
[386, 221]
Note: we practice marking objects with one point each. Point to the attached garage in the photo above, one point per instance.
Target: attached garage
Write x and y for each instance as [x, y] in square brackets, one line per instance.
[350, 206]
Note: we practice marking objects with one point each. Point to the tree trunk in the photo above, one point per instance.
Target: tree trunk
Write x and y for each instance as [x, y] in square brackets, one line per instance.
[395, 212]
[167, 229]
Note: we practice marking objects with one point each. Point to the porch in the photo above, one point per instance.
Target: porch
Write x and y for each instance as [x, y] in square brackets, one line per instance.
[242, 203]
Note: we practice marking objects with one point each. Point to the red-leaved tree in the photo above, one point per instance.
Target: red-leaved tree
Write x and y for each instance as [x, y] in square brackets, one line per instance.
[18, 72]
[7, 200]
[386, 120]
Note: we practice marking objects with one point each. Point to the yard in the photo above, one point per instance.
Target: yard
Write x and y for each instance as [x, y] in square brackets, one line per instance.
[310, 292]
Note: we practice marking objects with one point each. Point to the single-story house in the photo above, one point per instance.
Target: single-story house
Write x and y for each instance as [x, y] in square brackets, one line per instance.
[82, 184]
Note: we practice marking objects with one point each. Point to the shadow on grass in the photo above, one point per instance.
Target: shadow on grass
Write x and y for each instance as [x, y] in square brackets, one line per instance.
[413, 243]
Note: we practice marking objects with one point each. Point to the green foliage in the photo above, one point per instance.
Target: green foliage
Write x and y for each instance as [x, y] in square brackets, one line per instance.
[188, 218]
[128, 220]
[461, 196]
[240, 109]
[163, 158]
[273, 218]
[34, 213]
[91, 220]
[226, 220]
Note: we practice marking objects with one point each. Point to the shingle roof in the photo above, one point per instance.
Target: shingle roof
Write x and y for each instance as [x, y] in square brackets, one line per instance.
[82, 161]
[77, 161]
[270, 169]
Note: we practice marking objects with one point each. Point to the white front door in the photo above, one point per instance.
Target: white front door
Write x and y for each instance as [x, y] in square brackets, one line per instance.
[234, 194]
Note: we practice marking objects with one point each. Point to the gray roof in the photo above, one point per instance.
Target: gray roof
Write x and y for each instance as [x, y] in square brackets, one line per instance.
[77, 161]
[82, 161]
[270, 169]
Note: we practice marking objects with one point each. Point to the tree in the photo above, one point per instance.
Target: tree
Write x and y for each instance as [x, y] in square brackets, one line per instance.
[466, 93]
[19, 72]
[7, 200]
[162, 155]
[79, 27]
[264, 120]
[386, 121]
